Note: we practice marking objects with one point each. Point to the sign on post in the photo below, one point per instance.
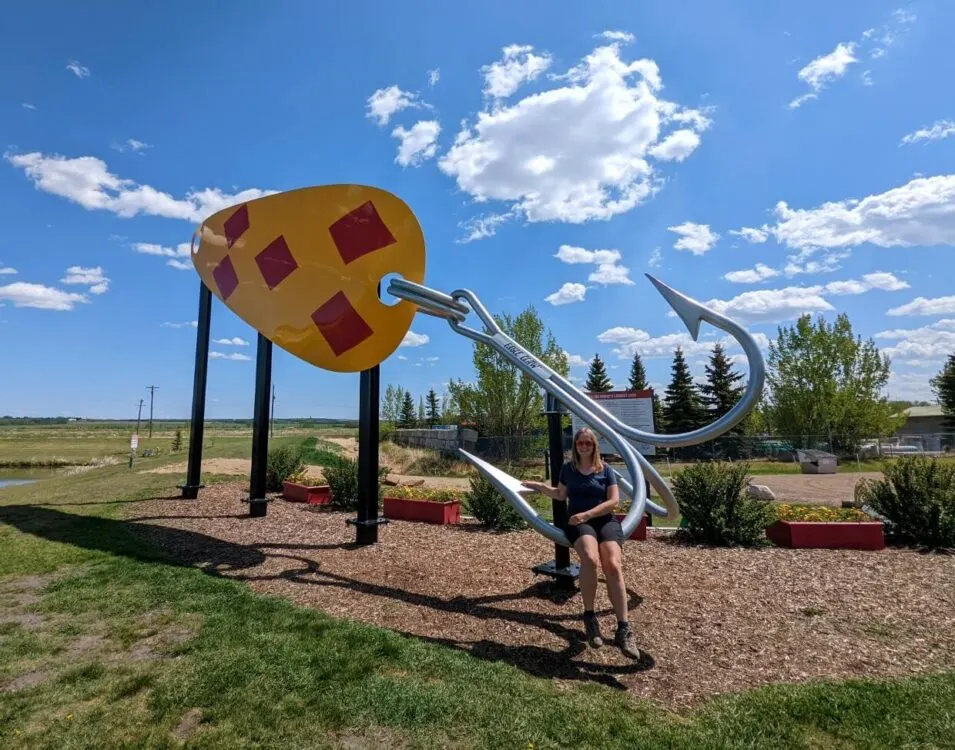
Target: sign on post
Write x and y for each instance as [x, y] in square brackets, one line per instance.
[633, 408]
[134, 442]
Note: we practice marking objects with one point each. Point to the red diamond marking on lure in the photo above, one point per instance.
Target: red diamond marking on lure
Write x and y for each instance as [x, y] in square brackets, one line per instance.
[236, 225]
[360, 232]
[276, 262]
[226, 277]
[340, 324]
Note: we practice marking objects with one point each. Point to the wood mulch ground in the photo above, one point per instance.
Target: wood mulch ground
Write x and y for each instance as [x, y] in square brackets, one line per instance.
[709, 620]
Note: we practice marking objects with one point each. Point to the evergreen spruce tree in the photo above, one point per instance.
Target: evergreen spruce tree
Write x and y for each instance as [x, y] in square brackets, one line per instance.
[659, 423]
[638, 374]
[721, 391]
[943, 385]
[597, 379]
[421, 413]
[433, 408]
[406, 417]
[682, 409]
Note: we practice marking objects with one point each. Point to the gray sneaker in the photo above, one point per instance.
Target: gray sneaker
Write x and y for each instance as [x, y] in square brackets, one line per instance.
[593, 632]
[626, 641]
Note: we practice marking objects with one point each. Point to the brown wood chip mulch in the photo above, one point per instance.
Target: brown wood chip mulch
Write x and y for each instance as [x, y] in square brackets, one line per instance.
[709, 621]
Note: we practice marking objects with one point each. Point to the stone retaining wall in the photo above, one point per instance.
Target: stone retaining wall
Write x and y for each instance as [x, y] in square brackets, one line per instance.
[444, 441]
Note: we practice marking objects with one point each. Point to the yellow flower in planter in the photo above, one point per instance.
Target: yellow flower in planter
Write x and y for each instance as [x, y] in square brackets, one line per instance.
[824, 513]
[425, 494]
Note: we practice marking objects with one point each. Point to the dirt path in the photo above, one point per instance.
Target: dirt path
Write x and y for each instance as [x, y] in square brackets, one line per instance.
[243, 467]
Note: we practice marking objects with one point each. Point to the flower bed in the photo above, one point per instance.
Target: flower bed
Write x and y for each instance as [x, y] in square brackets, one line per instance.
[313, 494]
[422, 504]
[824, 527]
[639, 533]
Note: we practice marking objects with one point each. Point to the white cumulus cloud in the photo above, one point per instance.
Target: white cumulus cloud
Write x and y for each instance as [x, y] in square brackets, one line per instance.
[386, 102]
[696, 238]
[91, 277]
[577, 151]
[518, 65]
[233, 356]
[417, 144]
[609, 270]
[24, 294]
[414, 339]
[931, 342]
[935, 132]
[926, 306]
[920, 212]
[753, 275]
[87, 181]
[569, 292]
[234, 341]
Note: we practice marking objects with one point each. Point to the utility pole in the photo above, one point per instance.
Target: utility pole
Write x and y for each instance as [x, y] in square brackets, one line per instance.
[151, 389]
[272, 415]
[139, 415]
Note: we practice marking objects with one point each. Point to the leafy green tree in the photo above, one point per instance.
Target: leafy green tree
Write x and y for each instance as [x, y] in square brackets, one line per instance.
[391, 403]
[597, 379]
[826, 383]
[682, 408]
[503, 400]
[722, 390]
[638, 374]
[433, 408]
[943, 385]
[406, 417]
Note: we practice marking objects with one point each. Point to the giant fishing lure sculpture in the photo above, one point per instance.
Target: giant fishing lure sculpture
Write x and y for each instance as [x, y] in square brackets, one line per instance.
[304, 268]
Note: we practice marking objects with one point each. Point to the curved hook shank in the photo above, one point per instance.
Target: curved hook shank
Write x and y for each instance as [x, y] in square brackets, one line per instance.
[692, 313]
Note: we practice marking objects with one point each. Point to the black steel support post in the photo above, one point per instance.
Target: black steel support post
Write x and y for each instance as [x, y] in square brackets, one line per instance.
[560, 567]
[260, 428]
[367, 522]
[190, 490]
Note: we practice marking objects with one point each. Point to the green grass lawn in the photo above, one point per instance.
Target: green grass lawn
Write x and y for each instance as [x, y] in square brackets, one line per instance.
[128, 650]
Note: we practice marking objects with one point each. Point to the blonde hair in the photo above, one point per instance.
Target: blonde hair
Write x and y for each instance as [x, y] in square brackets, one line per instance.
[575, 456]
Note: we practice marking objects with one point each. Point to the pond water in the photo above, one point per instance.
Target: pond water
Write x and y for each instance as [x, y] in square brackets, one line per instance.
[14, 482]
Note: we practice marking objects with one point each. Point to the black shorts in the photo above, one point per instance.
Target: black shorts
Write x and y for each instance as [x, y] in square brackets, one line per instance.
[602, 528]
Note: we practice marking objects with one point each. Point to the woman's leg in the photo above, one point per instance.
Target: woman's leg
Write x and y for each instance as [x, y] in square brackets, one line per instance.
[586, 547]
[611, 561]
[612, 564]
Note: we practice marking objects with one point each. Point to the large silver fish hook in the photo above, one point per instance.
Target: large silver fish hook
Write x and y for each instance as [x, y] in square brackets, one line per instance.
[451, 308]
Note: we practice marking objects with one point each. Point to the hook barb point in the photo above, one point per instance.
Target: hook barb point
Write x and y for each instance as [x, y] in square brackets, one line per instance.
[690, 311]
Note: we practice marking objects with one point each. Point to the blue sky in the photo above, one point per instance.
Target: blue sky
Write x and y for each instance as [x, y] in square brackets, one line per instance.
[767, 159]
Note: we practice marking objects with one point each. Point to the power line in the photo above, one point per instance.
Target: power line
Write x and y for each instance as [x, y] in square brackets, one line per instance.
[151, 389]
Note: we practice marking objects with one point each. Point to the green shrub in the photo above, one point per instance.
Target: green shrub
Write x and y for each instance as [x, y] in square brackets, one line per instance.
[715, 507]
[341, 476]
[917, 500]
[319, 453]
[487, 505]
[284, 461]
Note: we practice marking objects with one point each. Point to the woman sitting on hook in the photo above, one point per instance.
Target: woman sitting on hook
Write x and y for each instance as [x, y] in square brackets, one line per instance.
[590, 487]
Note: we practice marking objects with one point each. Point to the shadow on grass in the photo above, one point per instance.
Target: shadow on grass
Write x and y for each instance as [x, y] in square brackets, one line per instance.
[235, 561]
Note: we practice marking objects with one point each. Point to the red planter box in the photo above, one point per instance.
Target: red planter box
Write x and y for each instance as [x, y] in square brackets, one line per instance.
[639, 533]
[428, 511]
[302, 493]
[866, 535]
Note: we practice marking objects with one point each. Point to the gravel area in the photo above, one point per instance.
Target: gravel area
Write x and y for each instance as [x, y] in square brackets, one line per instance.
[710, 621]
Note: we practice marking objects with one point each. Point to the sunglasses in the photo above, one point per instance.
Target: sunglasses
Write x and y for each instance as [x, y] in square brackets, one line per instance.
[585, 442]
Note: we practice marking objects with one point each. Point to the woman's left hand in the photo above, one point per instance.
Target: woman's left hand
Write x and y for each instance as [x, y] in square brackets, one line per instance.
[577, 519]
